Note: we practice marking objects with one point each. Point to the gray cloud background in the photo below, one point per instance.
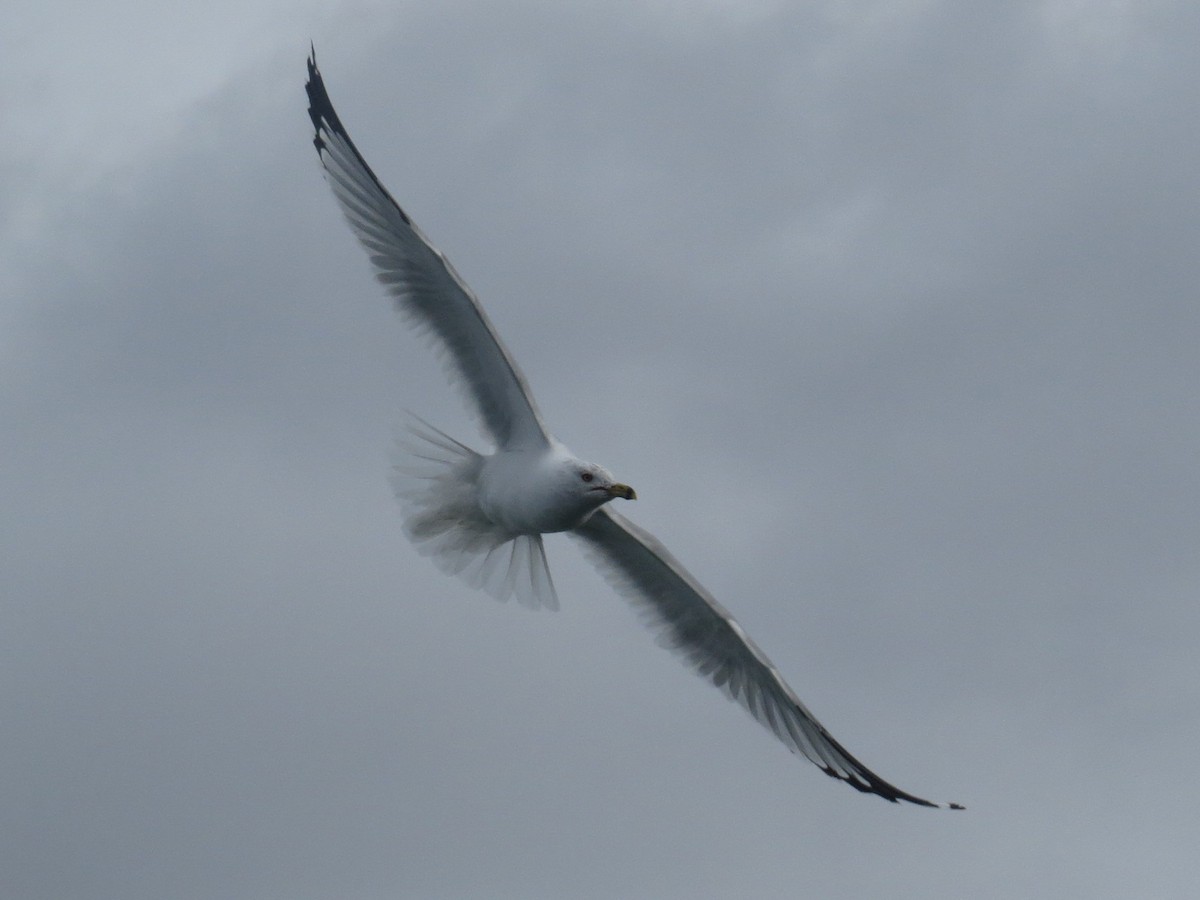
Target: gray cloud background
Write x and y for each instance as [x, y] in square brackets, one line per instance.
[888, 310]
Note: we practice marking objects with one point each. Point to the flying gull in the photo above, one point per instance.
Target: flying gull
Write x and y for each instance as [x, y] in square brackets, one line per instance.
[482, 516]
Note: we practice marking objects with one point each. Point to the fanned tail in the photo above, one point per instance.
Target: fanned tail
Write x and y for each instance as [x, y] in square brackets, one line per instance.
[436, 481]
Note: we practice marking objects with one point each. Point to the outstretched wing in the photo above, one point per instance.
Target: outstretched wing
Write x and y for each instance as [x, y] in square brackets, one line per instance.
[424, 284]
[705, 634]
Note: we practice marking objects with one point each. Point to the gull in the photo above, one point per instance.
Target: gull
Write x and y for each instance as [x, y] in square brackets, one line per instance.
[482, 516]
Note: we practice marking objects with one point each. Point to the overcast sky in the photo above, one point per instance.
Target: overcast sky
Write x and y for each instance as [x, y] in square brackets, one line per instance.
[888, 310]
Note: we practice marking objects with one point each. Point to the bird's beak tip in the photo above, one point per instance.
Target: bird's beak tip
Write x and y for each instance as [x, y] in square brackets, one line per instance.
[623, 490]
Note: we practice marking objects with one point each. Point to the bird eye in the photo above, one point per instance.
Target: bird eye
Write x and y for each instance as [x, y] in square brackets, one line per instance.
[586, 476]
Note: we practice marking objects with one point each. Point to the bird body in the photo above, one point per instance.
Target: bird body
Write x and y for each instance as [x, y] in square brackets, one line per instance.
[543, 491]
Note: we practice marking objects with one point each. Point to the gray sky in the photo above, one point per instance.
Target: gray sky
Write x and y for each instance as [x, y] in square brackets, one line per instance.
[888, 311]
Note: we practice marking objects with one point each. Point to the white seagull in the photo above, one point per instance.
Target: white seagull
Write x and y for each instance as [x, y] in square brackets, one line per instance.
[483, 516]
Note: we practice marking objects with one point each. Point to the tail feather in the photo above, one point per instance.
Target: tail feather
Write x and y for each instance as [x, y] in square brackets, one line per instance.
[436, 481]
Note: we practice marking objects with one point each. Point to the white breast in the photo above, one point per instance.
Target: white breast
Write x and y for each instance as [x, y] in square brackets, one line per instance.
[531, 491]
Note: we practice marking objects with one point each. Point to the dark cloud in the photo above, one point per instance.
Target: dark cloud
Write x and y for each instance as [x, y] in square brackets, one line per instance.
[897, 328]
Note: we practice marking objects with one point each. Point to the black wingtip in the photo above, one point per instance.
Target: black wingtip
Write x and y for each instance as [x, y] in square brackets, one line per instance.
[328, 127]
[320, 107]
[864, 780]
[314, 73]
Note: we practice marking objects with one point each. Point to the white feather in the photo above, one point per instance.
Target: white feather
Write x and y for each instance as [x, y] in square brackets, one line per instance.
[436, 480]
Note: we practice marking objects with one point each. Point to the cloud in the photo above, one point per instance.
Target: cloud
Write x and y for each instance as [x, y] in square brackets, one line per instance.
[904, 303]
